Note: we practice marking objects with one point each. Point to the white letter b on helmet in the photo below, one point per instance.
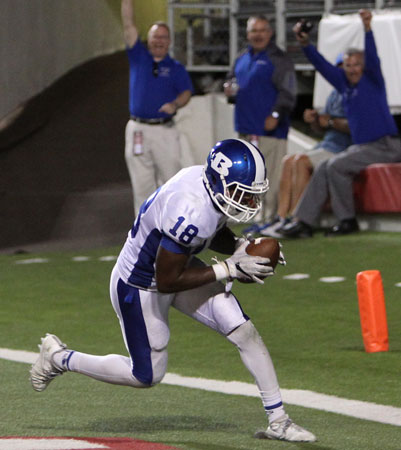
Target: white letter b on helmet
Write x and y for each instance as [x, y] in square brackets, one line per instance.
[220, 163]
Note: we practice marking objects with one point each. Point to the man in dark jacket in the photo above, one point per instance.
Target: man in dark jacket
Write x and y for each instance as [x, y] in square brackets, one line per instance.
[266, 95]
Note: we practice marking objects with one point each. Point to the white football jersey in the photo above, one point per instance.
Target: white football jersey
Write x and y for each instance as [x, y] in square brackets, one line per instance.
[180, 216]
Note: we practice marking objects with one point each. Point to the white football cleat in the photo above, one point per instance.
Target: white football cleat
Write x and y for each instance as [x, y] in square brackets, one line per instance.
[284, 429]
[44, 369]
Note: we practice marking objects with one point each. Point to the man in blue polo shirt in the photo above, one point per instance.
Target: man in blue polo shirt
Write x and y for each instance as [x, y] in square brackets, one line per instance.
[373, 131]
[266, 96]
[158, 87]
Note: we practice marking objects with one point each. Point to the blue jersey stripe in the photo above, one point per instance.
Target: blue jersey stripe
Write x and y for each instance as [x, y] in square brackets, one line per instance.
[143, 271]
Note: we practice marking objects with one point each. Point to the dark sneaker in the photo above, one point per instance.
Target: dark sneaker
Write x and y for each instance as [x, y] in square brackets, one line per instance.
[346, 226]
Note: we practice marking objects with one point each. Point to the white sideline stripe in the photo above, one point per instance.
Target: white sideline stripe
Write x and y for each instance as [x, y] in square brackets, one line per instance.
[296, 276]
[18, 355]
[331, 279]
[307, 399]
[32, 261]
[47, 444]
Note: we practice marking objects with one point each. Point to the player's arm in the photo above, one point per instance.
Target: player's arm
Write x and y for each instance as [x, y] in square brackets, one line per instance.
[372, 62]
[173, 275]
[129, 28]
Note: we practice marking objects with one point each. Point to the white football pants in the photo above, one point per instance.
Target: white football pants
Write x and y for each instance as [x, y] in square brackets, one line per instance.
[143, 317]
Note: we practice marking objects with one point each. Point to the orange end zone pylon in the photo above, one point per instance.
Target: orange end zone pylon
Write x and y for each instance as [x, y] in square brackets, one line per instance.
[372, 311]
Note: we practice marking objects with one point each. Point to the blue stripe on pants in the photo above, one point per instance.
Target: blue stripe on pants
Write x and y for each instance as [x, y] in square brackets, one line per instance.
[135, 332]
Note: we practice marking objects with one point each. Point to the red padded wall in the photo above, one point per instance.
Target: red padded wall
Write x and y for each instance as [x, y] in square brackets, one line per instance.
[377, 189]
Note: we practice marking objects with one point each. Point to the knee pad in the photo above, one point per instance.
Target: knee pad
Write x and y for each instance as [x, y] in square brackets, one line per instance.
[153, 371]
[227, 313]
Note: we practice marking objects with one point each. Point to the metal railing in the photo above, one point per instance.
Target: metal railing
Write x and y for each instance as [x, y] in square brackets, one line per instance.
[206, 36]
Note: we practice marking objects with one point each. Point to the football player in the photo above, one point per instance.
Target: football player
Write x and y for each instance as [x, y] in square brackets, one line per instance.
[157, 268]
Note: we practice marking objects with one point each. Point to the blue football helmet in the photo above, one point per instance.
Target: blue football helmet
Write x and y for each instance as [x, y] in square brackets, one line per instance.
[235, 177]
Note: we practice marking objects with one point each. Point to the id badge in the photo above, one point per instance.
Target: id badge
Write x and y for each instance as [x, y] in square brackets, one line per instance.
[138, 143]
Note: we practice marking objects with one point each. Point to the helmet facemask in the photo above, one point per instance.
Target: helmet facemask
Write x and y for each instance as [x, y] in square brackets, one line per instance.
[240, 202]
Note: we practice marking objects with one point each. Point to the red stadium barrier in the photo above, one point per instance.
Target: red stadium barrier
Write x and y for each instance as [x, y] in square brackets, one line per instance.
[377, 189]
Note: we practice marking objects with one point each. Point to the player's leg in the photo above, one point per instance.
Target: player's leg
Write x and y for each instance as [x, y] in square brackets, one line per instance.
[257, 360]
[55, 359]
[143, 317]
[222, 312]
[145, 330]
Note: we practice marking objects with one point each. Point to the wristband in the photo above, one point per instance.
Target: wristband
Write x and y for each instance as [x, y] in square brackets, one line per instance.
[330, 123]
[221, 271]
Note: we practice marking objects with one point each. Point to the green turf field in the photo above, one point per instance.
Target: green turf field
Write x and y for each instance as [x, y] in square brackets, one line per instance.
[311, 328]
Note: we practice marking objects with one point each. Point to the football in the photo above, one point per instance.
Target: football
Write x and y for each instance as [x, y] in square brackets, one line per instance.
[266, 247]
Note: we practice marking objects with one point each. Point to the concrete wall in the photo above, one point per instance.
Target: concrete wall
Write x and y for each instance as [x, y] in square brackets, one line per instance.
[44, 39]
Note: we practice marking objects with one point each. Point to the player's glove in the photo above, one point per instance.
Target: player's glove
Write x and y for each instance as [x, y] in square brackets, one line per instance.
[239, 240]
[242, 266]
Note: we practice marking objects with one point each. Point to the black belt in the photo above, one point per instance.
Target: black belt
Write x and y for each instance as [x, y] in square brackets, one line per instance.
[159, 121]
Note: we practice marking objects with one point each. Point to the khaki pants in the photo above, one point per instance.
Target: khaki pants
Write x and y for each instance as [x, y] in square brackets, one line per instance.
[273, 150]
[159, 161]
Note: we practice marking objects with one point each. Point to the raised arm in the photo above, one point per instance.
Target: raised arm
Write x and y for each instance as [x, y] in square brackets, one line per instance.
[333, 74]
[366, 17]
[372, 61]
[129, 28]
